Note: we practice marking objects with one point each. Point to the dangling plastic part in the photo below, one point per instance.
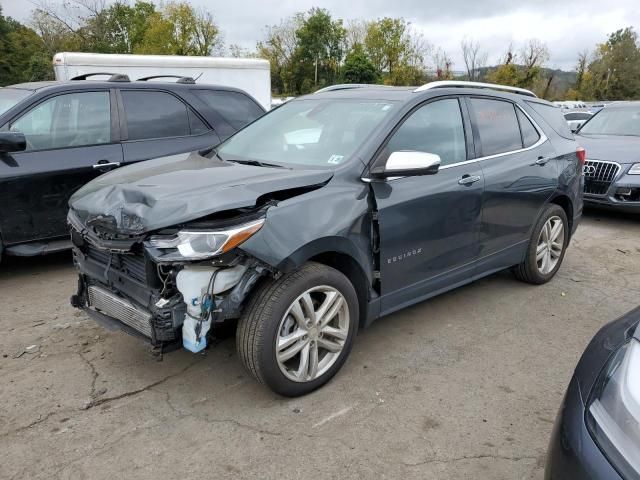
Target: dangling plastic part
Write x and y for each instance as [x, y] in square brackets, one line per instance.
[193, 340]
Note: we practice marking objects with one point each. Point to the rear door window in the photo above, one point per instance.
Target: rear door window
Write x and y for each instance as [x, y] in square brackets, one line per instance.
[151, 114]
[497, 126]
[235, 108]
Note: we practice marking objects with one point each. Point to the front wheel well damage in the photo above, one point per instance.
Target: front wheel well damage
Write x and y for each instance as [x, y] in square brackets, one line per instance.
[350, 269]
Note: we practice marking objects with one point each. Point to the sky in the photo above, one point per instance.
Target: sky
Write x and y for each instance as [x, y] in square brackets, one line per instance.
[566, 26]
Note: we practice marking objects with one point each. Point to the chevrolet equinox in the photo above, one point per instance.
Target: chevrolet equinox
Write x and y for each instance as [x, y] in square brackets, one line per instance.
[327, 213]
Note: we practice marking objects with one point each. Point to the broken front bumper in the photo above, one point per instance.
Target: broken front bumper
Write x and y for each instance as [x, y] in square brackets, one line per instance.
[118, 298]
[127, 290]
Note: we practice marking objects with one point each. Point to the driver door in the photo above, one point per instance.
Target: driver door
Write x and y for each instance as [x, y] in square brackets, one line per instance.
[429, 225]
[68, 136]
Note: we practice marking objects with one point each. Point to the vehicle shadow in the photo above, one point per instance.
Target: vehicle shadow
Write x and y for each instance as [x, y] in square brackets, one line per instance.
[613, 217]
[14, 267]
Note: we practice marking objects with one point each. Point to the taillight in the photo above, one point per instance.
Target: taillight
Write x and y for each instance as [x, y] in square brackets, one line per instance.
[581, 153]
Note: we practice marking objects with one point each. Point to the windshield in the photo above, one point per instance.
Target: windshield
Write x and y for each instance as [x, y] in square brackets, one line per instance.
[11, 96]
[619, 121]
[310, 133]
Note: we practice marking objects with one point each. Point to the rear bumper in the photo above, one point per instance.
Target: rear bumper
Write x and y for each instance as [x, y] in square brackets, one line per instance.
[611, 204]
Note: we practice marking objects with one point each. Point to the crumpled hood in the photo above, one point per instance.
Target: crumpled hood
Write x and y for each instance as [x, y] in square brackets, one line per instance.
[160, 193]
[621, 149]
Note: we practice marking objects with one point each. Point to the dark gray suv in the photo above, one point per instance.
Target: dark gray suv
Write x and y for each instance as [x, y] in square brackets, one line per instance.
[331, 211]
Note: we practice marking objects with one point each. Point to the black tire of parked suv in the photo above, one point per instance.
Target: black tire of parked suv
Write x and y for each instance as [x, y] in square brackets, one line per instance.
[528, 270]
[259, 324]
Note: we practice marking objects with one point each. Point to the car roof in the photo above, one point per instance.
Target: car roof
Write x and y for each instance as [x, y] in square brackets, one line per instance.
[89, 84]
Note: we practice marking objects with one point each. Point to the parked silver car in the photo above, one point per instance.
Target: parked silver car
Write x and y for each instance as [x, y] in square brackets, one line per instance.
[612, 171]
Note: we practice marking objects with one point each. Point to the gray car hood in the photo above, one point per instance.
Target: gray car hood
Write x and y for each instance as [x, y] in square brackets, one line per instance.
[615, 148]
[171, 190]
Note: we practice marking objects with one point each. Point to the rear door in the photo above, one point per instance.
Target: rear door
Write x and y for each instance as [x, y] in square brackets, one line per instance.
[429, 224]
[68, 135]
[520, 172]
[157, 123]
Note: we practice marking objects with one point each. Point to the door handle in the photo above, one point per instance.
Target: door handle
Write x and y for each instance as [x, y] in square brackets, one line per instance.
[469, 179]
[104, 163]
[541, 161]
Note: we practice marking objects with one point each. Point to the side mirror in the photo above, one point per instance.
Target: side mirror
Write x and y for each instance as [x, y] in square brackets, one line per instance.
[12, 142]
[408, 163]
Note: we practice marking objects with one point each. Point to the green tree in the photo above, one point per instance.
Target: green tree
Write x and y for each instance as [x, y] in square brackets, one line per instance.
[24, 56]
[178, 29]
[522, 69]
[320, 45]
[358, 68]
[614, 73]
[126, 26]
[279, 47]
[397, 53]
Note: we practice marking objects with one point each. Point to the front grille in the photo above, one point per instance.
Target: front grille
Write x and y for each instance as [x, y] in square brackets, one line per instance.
[598, 176]
[134, 265]
[119, 308]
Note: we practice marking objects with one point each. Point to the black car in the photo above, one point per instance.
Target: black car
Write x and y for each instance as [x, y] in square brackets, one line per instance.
[597, 433]
[56, 136]
[612, 171]
[329, 212]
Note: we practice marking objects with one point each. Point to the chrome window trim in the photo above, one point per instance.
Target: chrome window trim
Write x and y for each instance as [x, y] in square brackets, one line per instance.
[543, 138]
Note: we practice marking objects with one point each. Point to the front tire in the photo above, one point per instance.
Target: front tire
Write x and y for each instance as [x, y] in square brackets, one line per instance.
[547, 247]
[297, 331]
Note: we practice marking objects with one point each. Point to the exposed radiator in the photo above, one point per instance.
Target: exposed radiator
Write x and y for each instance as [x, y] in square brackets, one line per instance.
[120, 309]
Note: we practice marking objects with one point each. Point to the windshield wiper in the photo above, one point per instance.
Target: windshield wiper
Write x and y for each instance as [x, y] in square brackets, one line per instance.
[254, 163]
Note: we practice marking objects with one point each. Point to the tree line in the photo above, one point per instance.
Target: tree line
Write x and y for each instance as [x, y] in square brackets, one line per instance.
[308, 50]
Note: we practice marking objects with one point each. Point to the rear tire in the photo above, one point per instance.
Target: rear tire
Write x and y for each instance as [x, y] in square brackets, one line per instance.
[296, 332]
[547, 246]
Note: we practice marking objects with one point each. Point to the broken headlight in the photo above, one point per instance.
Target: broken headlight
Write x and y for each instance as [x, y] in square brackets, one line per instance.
[613, 416]
[201, 244]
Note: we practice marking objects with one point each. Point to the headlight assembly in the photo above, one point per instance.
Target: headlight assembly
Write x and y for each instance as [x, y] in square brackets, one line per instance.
[613, 415]
[200, 244]
[635, 169]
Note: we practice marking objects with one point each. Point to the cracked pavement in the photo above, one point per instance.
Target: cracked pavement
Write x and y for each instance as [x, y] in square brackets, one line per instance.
[463, 386]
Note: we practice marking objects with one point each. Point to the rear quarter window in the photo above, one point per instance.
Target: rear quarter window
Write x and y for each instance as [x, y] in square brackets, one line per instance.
[235, 108]
[552, 117]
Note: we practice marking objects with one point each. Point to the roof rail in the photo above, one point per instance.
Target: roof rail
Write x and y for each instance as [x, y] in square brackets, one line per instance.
[463, 84]
[181, 79]
[113, 77]
[346, 86]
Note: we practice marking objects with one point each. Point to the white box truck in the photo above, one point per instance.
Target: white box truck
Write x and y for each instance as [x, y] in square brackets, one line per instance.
[249, 74]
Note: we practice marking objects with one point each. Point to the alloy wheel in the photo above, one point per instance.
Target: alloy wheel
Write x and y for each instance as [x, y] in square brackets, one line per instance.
[312, 334]
[550, 245]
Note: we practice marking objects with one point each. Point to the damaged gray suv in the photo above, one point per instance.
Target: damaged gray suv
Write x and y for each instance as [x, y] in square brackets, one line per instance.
[327, 213]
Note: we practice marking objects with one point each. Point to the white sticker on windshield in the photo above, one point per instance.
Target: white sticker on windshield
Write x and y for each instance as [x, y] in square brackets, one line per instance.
[335, 159]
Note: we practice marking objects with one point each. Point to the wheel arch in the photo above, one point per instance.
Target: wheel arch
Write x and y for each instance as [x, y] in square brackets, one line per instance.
[343, 255]
[567, 205]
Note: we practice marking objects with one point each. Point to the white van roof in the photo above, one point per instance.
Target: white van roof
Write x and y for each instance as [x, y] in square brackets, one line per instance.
[175, 61]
